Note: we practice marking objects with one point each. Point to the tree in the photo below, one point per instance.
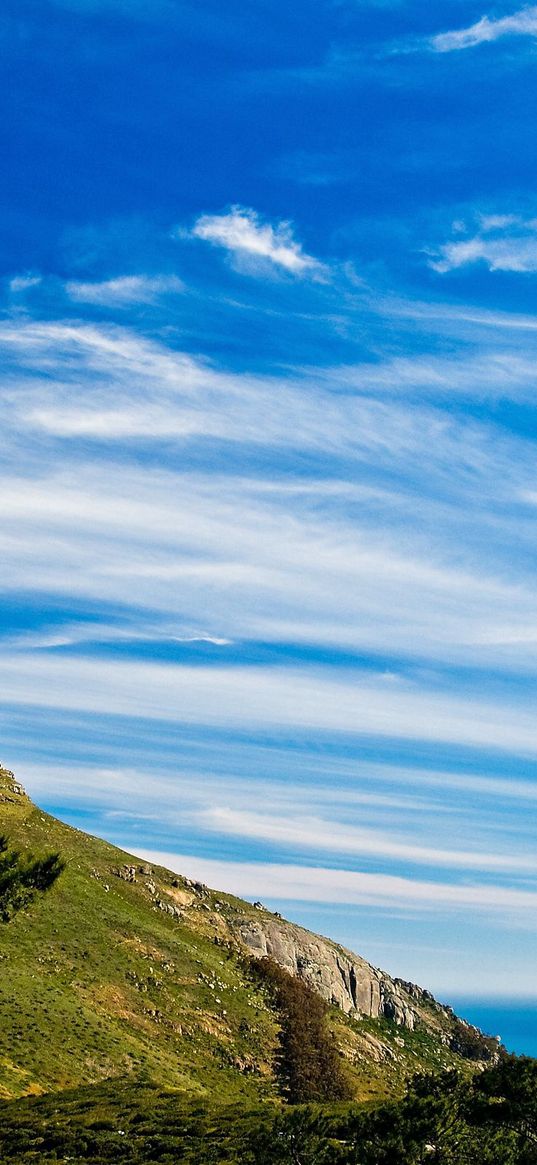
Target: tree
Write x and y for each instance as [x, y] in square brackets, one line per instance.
[505, 1098]
[298, 1136]
[309, 1063]
[22, 878]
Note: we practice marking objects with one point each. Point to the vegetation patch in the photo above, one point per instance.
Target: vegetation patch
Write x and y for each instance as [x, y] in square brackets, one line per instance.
[308, 1063]
[442, 1119]
[23, 877]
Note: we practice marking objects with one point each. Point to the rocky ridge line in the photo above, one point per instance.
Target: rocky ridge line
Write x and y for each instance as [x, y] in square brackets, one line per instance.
[338, 975]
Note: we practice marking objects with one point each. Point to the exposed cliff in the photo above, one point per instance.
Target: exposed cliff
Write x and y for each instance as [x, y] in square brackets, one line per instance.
[341, 977]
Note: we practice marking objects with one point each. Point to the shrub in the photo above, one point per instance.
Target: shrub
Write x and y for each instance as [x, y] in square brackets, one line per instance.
[22, 878]
[309, 1064]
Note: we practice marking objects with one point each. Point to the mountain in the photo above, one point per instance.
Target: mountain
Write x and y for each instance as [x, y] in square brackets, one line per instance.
[127, 970]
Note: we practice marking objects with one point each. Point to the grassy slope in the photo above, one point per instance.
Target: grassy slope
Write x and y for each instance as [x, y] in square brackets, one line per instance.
[128, 1121]
[96, 981]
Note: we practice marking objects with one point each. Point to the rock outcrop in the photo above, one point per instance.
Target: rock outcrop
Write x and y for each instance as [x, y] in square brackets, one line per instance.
[340, 977]
[10, 789]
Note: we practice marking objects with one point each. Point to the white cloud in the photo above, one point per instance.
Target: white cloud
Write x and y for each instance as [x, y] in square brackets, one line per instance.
[186, 796]
[21, 283]
[92, 632]
[494, 222]
[321, 884]
[464, 321]
[217, 641]
[385, 814]
[478, 787]
[43, 642]
[316, 833]
[388, 536]
[124, 291]
[262, 698]
[138, 388]
[521, 23]
[103, 535]
[243, 233]
[503, 243]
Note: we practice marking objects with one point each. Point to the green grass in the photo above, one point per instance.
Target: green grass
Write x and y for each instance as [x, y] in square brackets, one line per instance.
[97, 982]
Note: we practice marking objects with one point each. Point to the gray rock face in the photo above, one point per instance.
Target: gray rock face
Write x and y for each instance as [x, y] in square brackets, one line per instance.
[338, 975]
[10, 789]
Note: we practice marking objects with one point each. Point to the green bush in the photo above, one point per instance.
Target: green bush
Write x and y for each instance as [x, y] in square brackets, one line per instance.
[22, 878]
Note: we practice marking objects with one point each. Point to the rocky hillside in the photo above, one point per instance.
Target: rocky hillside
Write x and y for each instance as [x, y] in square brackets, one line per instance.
[340, 977]
[122, 968]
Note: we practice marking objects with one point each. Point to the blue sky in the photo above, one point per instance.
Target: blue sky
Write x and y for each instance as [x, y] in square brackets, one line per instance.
[269, 484]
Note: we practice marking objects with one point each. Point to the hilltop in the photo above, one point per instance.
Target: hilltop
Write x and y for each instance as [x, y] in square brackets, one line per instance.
[127, 970]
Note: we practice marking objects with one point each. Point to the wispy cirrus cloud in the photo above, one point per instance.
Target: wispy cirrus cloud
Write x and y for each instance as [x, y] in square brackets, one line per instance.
[333, 537]
[243, 233]
[82, 633]
[487, 29]
[323, 884]
[282, 699]
[372, 513]
[315, 833]
[268, 548]
[20, 283]
[504, 242]
[125, 291]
